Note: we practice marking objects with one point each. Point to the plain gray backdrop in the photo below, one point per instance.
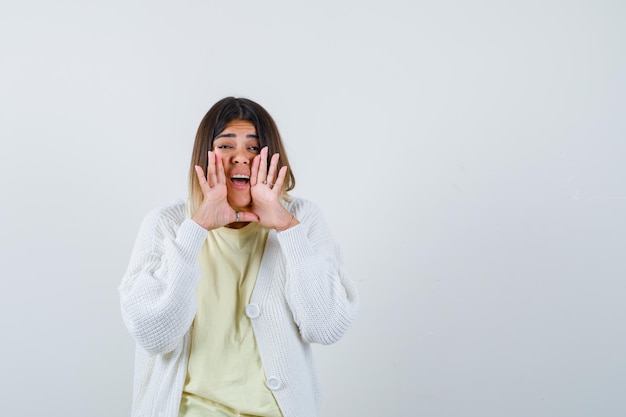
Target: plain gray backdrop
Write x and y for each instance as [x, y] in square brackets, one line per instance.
[469, 157]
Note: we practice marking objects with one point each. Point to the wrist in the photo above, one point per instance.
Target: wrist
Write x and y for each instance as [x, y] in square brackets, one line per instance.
[292, 222]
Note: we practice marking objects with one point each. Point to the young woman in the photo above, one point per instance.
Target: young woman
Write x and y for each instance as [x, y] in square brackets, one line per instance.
[225, 292]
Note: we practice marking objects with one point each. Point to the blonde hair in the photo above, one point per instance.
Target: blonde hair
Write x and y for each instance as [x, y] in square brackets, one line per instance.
[215, 121]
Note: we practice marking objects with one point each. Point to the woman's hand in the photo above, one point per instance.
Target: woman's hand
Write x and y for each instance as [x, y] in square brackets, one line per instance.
[215, 211]
[266, 193]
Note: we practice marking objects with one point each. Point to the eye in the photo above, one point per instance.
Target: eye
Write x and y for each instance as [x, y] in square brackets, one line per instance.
[255, 149]
[224, 147]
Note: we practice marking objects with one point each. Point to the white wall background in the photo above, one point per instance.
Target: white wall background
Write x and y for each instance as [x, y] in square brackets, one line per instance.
[468, 155]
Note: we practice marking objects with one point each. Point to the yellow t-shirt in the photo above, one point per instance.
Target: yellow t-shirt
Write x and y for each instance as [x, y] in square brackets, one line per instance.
[225, 376]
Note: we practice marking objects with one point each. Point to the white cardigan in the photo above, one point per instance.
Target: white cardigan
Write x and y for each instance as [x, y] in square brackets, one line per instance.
[302, 296]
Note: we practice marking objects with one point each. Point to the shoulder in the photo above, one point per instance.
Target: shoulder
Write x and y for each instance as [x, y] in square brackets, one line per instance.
[174, 211]
[167, 217]
[305, 210]
[300, 206]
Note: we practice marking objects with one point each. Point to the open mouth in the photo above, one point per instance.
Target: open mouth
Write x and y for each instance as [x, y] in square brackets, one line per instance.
[240, 180]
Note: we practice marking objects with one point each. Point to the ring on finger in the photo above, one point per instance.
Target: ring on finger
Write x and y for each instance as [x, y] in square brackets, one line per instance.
[236, 217]
[265, 182]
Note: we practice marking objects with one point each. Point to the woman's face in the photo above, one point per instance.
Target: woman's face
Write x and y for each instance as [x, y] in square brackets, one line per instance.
[238, 144]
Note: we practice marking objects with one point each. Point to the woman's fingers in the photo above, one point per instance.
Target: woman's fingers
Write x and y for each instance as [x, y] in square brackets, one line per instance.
[272, 172]
[221, 175]
[245, 216]
[215, 170]
[278, 185]
[262, 175]
[204, 186]
[254, 170]
[212, 174]
[259, 172]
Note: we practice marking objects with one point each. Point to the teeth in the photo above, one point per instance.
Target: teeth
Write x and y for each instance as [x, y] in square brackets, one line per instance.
[241, 176]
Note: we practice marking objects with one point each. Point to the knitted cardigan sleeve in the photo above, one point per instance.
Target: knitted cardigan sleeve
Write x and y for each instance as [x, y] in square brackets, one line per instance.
[322, 298]
[158, 291]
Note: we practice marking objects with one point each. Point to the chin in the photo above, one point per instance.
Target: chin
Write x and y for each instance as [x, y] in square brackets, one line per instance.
[240, 204]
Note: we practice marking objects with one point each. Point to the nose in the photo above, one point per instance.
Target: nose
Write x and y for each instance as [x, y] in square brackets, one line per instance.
[240, 156]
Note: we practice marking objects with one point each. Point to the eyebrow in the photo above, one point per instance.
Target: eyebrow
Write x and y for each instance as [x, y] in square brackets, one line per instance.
[232, 135]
